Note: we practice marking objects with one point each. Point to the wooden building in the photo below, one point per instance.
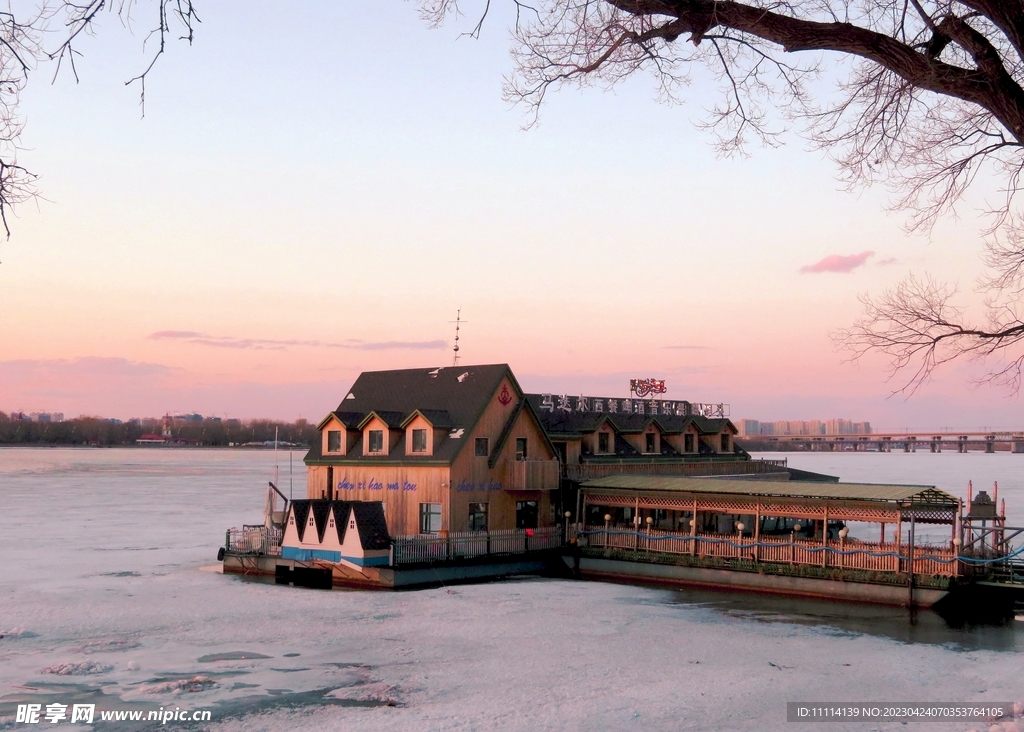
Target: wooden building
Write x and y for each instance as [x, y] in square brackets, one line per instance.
[444, 450]
[617, 432]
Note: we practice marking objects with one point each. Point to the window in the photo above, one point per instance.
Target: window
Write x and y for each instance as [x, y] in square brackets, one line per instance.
[651, 442]
[603, 442]
[688, 443]
[430, 518]
[520, 448]
[376, 440]
[478, 517]
[419, 440]
[333, 440]
[725, 443]
[483, 447]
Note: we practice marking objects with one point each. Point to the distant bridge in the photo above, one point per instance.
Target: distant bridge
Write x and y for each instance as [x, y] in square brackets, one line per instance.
[905, 441]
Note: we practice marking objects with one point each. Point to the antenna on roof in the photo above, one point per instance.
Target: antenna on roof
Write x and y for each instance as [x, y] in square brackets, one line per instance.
[458, 321]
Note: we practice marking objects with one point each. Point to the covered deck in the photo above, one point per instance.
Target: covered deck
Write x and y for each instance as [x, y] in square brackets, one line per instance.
[779, 522]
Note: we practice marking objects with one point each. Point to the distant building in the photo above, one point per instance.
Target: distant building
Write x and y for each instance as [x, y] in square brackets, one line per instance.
[44, 416]
[814, 427]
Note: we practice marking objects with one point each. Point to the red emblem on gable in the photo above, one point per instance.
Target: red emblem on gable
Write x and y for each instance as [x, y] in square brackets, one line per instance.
[504, 397]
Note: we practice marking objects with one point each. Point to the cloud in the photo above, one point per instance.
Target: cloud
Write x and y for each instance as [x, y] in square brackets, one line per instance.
[272, 344]
[687, 348]
[838, 263]
[884, 262]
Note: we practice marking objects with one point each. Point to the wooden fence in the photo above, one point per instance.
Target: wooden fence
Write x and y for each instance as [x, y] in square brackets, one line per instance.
[928, 559]
[468, 544]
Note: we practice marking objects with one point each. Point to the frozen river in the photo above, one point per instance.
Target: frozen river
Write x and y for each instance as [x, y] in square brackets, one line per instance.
[108, 595]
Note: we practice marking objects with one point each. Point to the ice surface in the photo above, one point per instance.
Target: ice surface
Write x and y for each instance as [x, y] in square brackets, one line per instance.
[103, 559]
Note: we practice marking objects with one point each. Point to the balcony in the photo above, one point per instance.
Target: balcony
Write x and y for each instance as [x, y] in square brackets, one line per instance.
[531, 475]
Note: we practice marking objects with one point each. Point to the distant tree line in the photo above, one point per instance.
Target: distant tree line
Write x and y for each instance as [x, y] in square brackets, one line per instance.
[108, 432]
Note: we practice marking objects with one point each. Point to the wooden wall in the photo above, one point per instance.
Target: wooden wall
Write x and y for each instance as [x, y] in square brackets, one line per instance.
[474, 482]
[401, 488]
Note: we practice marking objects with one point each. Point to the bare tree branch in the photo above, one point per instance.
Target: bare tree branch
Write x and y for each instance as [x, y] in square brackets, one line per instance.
[933, 99]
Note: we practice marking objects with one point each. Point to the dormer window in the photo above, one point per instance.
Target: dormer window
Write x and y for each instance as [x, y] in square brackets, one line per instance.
[725, 442]
[419, 440]
[333, 440]
[688, 442]
[376, 441]
[652, 442]
[603, 442]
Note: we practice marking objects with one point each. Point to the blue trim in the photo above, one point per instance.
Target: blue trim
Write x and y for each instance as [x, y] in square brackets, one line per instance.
[305, 555]
[368, 561]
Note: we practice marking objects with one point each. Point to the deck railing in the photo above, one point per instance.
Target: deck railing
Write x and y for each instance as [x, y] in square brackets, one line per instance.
[934, 560]
[254, 540]
[468, 544]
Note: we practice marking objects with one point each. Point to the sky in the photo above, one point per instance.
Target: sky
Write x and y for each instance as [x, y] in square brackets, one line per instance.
[314, 192]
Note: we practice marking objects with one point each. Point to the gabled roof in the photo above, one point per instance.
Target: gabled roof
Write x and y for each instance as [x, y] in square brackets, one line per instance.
[350, 420]
[370, 521]
[392, 419]
[461, 392]
[300, 509]
[320, 507]
[320, 510]
[522, 405]
[438, 418]
[560, 424]
[371, 524]
[629, 424]
[709, 426]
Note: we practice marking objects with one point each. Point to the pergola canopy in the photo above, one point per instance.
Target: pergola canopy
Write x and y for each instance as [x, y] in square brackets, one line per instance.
[845, 501]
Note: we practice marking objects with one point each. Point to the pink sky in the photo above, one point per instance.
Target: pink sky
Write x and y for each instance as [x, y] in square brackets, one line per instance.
[248, 255]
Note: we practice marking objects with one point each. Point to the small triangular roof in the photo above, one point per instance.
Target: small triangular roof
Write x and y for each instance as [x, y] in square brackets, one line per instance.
[438, 418]
[349, 419]
[371, 525]
[392, 419]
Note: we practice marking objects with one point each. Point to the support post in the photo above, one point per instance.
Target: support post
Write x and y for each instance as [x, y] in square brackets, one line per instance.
[757, 534]
[636, 525]
[693, 530]
[824, 538]
[910, 559]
